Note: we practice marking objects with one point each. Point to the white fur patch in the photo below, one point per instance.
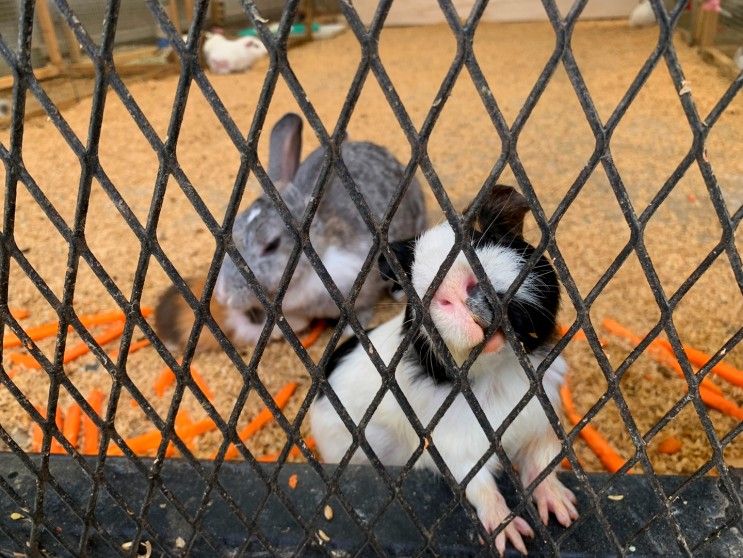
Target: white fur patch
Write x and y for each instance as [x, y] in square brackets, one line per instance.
[252, 215]
[497, 381]
[502, 264]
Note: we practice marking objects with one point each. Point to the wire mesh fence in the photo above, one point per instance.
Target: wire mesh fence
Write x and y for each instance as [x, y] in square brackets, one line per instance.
[97, 490]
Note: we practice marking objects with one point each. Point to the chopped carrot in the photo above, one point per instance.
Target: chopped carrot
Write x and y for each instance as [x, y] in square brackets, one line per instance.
[90, 430]
[26, 360]
[294, 452]
[106, 336]
[565, 463]
[75, 351]
[263, 418]
[20, 313]
[293, 481]
[56, 447]
[309, 441]
[720, 403]
[698, 358]
[199, 381]
[37, 434]
[182, 419]
[656, 351]
[133, 348]
[197, 429]
[72, 424]
[51, 328]
[35, 333]
[149, 441]
[165, 379]
[580, 335]
[670, 445]
[609, 458]
[140, 445]
[268, 458]
[313, 334]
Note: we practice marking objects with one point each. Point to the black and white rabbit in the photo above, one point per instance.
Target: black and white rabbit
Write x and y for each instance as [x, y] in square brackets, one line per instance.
[338, 233]
[459, 311]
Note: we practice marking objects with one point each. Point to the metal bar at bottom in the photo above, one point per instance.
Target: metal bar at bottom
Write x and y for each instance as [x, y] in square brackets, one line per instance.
[700, 508]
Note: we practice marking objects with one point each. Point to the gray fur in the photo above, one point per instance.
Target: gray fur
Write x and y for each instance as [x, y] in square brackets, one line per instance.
[337, 227]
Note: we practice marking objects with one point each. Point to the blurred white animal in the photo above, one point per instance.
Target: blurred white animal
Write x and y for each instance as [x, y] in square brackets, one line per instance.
[224, 56]
[642, 15]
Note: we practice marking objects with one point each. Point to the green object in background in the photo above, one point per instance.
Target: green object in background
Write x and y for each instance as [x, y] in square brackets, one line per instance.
[297, 29]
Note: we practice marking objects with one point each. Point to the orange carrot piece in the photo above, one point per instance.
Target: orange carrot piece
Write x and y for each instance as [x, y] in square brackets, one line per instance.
[133, 348]
[106, 336]
[294, 452]
[20, 313]
[56, 447]
[140, 445]
[293, 480]
[656, 351]
[149, 441]
[201, 382]
[609, 458]
[197, 429]
[670, 445]
[26, 360]
[699, 358]
[580, 335]
[565, 463]
[309, 441]
[75, 351]
[38, 332]
[311, 337]
[720, 403]
[72, 424]
[37, 434]
[48, 329]
[90, 430]
[182, 419]
[165, 379]
[262, 418]
[268, 458]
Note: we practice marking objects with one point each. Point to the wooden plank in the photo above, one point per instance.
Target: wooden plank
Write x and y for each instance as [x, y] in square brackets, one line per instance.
[46, 72]
[188, 11]
[145, 70]
[309, 18]
[73, 47]
[49, 37]
[724, 63]
[707, 30]
[173, 14]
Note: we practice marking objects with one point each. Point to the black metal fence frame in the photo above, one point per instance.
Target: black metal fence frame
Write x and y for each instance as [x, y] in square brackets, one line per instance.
[369, 66]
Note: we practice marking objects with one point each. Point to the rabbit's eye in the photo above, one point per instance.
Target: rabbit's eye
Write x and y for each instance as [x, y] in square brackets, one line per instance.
[272, 246]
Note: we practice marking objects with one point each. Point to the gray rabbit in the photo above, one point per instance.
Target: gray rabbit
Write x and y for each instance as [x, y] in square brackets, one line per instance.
[338, 233]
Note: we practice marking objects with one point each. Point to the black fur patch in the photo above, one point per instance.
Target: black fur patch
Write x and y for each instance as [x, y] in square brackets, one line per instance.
[423, 354]
[340, 353]
[500, 223]
[534, 323]
[404, 250]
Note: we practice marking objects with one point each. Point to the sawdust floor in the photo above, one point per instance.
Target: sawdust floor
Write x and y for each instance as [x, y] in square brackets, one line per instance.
[554, 145]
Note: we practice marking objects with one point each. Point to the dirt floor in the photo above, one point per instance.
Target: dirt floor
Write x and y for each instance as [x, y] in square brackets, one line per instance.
[554, 145]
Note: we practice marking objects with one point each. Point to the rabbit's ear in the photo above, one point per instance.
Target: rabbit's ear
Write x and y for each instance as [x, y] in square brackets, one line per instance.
[405, 252]
[284, 149]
